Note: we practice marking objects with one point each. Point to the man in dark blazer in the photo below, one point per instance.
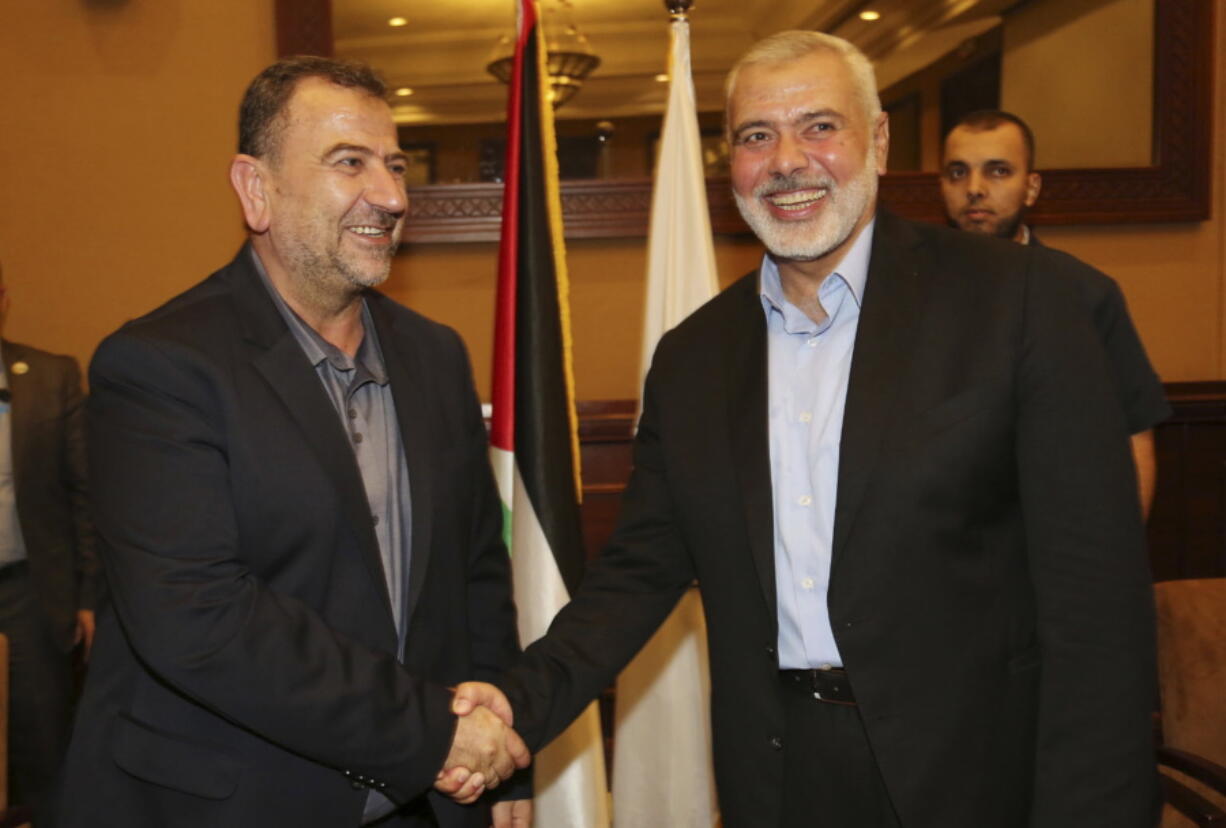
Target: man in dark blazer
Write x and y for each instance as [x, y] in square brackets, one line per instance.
[297, 515]
[48, 571]
[894, 462]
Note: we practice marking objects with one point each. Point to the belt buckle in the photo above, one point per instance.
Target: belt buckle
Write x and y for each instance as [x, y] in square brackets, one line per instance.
[825, 668]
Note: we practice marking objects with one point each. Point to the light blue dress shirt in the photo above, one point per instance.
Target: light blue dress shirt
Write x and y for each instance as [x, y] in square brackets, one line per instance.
[809, 365]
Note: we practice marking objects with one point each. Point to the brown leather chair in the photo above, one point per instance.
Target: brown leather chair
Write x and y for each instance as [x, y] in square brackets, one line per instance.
[1192, 680]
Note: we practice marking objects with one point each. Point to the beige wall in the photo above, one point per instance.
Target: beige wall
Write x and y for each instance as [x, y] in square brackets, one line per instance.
[1058, 57]
[117, 121]
[116, 144]
[455, 284]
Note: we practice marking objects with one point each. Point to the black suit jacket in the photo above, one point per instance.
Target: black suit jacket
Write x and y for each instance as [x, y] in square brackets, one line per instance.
[249, 674]
[48, 450]
[989, 590]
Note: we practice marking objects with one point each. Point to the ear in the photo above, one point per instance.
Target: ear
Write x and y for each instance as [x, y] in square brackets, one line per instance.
[248, 178]
[1034, 183]
[881, 141]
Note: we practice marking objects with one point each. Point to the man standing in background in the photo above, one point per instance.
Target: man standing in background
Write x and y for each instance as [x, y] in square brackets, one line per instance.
[48, 572]
[989, 182]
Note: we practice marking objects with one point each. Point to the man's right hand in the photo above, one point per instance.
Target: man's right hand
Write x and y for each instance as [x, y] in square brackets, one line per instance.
[485, 750]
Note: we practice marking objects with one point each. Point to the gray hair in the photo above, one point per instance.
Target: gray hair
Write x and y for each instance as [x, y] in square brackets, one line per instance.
[782, 47]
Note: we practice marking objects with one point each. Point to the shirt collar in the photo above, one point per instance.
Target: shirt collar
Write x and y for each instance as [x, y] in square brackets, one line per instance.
[318, 349]
[853, 270]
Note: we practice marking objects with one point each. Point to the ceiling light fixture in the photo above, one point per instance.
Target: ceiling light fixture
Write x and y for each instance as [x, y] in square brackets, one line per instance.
[398, 21]
[404, 92]
[662, 77]
[568, 55]
[870, 15]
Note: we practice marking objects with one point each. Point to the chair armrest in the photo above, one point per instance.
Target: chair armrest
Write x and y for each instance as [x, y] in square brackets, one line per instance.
[1191, 804]
[1199, 768]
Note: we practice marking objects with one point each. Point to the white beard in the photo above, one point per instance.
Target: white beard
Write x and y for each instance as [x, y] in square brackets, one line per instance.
[813, 238]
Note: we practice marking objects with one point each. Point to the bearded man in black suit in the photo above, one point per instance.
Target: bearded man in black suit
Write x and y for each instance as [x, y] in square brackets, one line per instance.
[894, 461]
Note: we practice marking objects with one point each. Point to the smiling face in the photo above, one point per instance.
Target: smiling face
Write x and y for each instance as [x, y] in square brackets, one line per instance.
[986, 180]
[333, 194]
[805, 155]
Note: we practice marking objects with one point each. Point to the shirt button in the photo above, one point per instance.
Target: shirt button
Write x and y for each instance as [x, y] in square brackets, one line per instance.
[357, 438]
[804, 500]
[805, 417]
[776, 743]
[374, 519]
[807, 583]
[353, 413]
[812, 342]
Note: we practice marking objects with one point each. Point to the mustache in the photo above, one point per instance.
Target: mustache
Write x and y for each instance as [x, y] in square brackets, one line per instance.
[384, 221]
[795, 181]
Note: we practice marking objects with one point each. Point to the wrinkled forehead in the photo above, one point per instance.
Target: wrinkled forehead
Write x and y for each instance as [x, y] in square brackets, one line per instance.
[816, 81]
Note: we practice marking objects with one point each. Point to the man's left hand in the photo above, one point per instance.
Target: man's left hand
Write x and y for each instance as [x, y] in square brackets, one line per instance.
[513, 813]
[85, 632]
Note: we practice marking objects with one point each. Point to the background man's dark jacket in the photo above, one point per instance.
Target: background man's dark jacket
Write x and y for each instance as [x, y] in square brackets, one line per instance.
[47, 417]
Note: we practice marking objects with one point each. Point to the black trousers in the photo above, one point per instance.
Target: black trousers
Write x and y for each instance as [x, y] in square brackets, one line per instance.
[831, 779]
[40, 691]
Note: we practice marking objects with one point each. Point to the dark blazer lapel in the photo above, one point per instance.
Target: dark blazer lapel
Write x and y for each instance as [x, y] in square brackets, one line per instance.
[891, 305]
[405, 370]
[280, 360]
[748, 427]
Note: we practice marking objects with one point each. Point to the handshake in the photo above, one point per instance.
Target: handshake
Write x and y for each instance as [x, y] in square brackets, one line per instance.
[485, 751]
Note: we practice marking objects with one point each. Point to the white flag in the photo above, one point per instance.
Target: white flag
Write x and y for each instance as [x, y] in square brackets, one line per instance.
[662, 762]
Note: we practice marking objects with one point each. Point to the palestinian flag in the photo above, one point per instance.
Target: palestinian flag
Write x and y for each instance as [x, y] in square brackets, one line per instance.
[534, 435]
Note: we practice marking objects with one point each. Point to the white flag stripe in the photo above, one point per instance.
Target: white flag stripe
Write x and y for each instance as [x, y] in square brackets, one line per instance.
[681, 272]
[662, 752]
[569, 780]
[662, 759]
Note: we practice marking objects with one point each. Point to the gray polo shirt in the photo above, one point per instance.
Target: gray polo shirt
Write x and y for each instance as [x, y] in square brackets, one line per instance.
[362, 396]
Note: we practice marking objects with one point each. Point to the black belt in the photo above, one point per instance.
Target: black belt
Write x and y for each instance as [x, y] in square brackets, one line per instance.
[829, 685]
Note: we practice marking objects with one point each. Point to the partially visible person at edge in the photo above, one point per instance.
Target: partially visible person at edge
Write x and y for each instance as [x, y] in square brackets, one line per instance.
[49, 576]
[988, 182]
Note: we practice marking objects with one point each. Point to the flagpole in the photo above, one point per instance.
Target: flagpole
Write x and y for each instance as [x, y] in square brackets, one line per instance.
[662, 761]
